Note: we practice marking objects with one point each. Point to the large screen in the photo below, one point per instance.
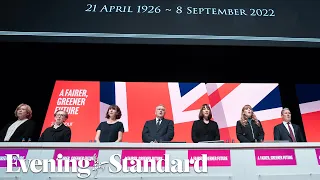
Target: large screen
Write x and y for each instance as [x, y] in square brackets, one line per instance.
[309, 103]
[87, 103]
[204, 22]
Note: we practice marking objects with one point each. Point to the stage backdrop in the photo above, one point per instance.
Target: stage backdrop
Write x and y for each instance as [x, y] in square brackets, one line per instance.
[309, 102]
[87, 103]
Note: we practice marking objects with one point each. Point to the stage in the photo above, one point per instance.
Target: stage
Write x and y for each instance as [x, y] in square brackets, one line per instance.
[225, 161]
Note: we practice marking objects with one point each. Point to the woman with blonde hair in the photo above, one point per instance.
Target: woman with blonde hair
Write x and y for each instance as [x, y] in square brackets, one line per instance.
[248, 128]
[21, 128]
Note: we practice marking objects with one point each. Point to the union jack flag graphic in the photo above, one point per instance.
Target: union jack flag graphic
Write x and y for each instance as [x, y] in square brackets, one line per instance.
[309, 103]
[138, 100]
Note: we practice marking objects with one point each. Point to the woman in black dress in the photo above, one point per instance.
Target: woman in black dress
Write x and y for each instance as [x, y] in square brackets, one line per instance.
[205, 129]
[112, 129]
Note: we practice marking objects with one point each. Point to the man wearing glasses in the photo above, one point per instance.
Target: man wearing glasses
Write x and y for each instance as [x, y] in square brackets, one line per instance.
[58, 132]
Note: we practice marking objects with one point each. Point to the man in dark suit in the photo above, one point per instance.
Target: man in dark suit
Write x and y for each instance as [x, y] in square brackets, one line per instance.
[286, 131]
[58, 132]
[158, 129]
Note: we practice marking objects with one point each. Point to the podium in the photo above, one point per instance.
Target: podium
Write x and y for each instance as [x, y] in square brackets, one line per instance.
[225, 161]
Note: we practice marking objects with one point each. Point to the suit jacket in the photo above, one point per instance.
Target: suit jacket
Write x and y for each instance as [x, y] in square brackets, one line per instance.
[205, 132]
[165, 132]
[244, 133]
[280, 132]
[25, 130]
[61, 134]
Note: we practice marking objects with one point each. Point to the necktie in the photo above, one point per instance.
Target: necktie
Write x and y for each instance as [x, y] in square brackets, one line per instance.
[291, 133]
[158, 123]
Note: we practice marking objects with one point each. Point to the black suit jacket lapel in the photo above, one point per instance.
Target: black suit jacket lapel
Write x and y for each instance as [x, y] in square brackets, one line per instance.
[154, 125]
[296, 133]
[286, 130]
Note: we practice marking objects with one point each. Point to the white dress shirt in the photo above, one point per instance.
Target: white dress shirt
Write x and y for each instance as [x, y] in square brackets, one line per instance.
[13, 128]
[159, 121]
[287, 127]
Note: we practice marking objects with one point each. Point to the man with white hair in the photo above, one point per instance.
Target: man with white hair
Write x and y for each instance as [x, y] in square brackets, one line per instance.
[286, 131]
[158, 129]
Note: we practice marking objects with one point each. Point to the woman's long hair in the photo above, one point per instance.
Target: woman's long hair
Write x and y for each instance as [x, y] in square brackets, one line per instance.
[244, 118]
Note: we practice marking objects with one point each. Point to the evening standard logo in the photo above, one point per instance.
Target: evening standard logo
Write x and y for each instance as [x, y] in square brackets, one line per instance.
[116, 165]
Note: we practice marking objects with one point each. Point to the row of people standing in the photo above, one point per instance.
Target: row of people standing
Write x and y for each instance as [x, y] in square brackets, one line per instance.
[159, 129]
[248, 128]
[23, 128]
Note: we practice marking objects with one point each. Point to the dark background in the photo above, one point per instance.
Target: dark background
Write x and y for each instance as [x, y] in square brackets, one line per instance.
[293, 19]
[29, 70]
